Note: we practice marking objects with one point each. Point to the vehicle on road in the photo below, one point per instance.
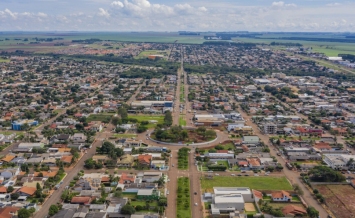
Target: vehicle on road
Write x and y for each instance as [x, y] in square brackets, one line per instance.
[216, 174]
[167, 192]
[195, 204]
[232, 174]
[195, 193]
[172, 165]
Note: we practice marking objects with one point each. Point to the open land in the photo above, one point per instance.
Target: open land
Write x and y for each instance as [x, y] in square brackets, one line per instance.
[339, 198]
[259, 183]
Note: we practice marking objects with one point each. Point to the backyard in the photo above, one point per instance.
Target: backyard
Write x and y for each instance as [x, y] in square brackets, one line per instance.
[259, 183]
[182, 121]
[334, 198]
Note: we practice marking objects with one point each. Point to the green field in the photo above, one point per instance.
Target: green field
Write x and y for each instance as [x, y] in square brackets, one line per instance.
[140, 118]
[328, 48]
[99, 117]
[259, 183]
[182, 121]
[183, 198]
[4, 60]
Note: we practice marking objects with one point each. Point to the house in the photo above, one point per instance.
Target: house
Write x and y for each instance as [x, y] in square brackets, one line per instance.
[144, 160]
[125, 160]
[9, 173]
[67, 159]
[148, 194]
[46, 174]
[126, 178]
[3, 190]
[96, 126]
[339, 161]
[159, 164]
[281, 196]
[30, 145]
[293, 210]
[78, 138]
[8, 212]
[8, 158]
[97, 207]
[132, 143]
[81, 200]
[59, 138]
[51, 162]
[31, 182]
[27, 191]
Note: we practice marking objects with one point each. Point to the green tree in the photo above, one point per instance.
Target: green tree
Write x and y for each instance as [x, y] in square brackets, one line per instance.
[10, 189]
[89, 163]
[312, 212]
[123, 113]
[23, 213]
[15, 196]
[115, 121]
[128, 209]
[168, 118]
[53, 209]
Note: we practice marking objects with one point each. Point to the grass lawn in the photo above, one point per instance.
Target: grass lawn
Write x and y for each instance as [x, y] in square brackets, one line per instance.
[99, 117]
[143, 203]
[259, 183]
[228, 146]
[9, 133]
[183, 159]
[182, 121]
[296, 198]
[282, 205]
[4, 60]
[129, 195]
[183, 198]
[140, 118]
[223, 162]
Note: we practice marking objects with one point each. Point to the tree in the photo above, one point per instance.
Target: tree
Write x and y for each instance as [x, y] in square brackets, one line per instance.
[128, 209]
[312, 212]
[325, 174]
[210, 134]
[89, 163]
[15, 196]
[168, 118]
[10, 189]
[123, 113]
[53, 209]
[115, 121]
[23, 213]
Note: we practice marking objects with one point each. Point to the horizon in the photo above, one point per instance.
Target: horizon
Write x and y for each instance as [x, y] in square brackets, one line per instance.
[159, 15]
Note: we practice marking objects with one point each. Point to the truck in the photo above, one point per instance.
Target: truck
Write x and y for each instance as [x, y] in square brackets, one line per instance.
[289, 166]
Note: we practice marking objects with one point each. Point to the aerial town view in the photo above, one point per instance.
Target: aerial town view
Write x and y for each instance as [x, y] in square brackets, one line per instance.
[154, 109]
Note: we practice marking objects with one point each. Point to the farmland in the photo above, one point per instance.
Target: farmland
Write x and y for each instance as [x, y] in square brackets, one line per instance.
[339, 198]
[259, 183]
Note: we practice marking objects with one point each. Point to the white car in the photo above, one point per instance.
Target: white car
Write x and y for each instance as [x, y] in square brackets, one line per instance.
[195, 204]
[232, 174]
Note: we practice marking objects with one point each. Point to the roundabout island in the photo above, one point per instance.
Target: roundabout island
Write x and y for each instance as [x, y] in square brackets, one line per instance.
[177, 135]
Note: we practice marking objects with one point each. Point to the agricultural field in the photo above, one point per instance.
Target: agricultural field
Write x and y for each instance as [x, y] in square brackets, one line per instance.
[328, 48]
[153, 120]
[99, 117]
[339, 198]
[183, 198]
[259, 183]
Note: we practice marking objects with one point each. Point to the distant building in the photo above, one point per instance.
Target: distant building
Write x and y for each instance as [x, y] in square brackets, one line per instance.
[270, 128]
[17, 125]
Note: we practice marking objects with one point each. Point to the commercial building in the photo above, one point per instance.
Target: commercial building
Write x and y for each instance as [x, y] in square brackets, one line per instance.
[270, 128]
[339, 161]
[17, 125]
[230, 199]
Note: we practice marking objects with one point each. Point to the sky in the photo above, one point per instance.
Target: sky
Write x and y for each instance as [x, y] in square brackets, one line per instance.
[178, 15]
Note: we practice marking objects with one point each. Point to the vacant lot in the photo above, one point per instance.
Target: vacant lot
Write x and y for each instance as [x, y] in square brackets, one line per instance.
[259, 183]
[339, 198]
[153, 120]
[99, 117]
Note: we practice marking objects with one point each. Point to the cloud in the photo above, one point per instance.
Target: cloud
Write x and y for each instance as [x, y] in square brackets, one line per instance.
[281, 4]
[117, 4]
[333, 4]
[103, 12]
[13, 15]
[204, 9]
